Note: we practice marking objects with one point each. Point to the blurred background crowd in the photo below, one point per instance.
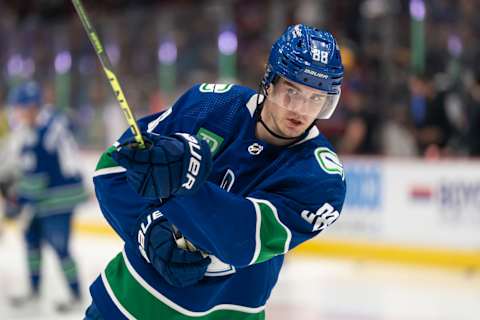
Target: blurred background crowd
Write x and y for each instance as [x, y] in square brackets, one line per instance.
[412, 84]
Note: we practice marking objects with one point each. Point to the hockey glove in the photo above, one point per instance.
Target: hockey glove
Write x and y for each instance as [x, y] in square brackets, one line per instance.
[180, 268]
[175, 165]
[12, 209]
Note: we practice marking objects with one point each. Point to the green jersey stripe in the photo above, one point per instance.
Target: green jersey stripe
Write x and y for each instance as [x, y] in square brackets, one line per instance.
[33, 185]
[60, 204]
[272, 236]
[106, 160]
[112, 296]
[138, 300]
[59, 196]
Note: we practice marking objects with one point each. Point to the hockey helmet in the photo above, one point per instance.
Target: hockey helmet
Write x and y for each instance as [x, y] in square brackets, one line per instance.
[25, 95]
[310, 57]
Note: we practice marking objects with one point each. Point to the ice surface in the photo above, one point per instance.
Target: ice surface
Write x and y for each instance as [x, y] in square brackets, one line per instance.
[308, 289]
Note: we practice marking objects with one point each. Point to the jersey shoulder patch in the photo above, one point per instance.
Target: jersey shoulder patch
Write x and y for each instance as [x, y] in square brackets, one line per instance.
[329, 161]
[215, 87]
[223, 89]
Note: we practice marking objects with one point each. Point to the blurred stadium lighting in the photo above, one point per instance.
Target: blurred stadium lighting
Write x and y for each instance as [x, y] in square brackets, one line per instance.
[167, 52]
[227, 42]
[15, 65]
[63, 62]
[18, 66]
[417, 9]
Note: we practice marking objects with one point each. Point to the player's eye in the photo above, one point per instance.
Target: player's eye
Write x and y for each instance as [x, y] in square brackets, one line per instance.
[317, 98]
[292, 92]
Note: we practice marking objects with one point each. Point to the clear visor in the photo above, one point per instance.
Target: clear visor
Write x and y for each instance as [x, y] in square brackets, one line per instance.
[310, 102]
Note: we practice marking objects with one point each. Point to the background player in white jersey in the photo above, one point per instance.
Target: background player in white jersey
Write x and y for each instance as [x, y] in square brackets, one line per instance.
[50, 187]
[243, 176]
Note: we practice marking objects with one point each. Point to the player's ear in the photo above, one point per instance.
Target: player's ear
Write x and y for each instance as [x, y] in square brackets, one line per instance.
[270, 89]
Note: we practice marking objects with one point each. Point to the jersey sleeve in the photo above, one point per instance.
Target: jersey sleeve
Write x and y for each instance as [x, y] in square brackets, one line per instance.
[120, 204]
[246, 230]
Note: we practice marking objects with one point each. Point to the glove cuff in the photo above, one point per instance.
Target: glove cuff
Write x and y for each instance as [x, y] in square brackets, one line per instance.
[144, 227]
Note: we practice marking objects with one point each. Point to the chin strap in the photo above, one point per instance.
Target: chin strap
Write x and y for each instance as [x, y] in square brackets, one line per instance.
[258, 117]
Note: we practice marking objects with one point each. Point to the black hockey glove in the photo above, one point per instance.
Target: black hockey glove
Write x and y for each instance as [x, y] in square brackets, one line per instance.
[179, 267]
[174, 165]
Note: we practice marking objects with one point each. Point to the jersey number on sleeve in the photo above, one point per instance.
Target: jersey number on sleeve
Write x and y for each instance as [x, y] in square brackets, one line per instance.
[325, 216]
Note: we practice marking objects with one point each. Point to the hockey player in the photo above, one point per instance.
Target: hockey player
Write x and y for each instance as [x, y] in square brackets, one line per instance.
[243, 176]
[50, 187]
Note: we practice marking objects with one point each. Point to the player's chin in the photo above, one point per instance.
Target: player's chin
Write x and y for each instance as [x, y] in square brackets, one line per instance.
[292, 132]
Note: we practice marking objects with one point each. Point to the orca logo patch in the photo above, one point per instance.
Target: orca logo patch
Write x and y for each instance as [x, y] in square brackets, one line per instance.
[329, 161]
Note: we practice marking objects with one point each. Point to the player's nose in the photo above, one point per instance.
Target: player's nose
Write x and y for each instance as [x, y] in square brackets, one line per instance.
[299, 105]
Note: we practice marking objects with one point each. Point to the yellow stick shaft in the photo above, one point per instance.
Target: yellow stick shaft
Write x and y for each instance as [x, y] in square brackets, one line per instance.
[107, 68]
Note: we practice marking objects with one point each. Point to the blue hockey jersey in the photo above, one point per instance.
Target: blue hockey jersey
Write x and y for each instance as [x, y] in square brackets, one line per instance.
[51, 182]
[259, 202]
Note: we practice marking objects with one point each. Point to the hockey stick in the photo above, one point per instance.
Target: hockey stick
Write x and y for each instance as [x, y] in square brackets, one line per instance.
[107, 68]
[117, 90]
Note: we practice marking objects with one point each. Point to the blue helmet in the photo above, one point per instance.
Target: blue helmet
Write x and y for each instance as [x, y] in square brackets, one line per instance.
[26, 94]
[308, 56]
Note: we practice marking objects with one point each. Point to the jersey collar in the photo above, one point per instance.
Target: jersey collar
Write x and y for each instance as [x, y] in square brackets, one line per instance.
[254, 102]
[312, 133]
